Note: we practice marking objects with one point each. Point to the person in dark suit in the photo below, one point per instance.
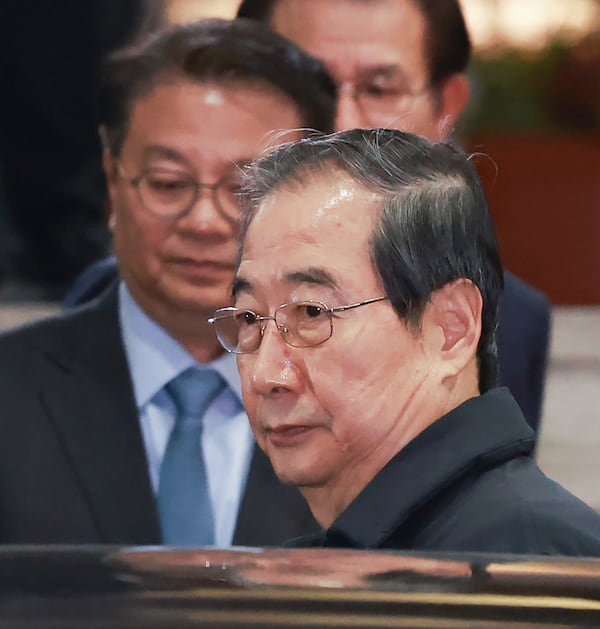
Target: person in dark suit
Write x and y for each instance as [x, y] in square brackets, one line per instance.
[402, 64]
[364, 323]
[524, 324]
[90, 405]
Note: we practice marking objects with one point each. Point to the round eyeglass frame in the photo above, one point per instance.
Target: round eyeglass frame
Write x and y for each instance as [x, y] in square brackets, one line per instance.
[373, 107]
[197, 186]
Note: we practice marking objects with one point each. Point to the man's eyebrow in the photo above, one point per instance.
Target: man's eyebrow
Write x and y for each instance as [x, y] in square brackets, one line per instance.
[240, 285]
[158, 151]
[243, 162]
[163, 152]
[312, 275]
[237, 167]
[387, 71]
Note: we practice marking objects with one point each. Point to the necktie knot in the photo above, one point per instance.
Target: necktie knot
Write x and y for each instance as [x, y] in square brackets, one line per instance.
[193, 390]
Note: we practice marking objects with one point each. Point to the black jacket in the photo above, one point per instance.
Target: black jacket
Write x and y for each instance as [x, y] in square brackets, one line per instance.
[467, 483]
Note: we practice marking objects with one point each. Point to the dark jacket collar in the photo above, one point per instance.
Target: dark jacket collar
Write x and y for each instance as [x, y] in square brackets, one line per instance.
[86, 393]
[480, 433]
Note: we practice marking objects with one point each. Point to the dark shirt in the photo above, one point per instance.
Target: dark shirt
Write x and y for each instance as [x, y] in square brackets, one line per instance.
[467, 483]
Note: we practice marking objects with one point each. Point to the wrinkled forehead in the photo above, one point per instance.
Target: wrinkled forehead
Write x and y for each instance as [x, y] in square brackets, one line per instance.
[315, 232]
[319, 205]
[356, 36]
[202, 125]
[252, 95]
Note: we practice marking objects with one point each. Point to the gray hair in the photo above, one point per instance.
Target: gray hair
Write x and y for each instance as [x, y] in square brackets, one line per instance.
[433, 227]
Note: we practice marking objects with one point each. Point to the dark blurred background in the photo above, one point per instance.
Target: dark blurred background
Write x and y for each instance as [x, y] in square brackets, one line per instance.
[534, 115]
[52, 192]
[535, 112]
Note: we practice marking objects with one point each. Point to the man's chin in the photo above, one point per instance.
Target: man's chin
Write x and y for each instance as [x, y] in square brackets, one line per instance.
[295, 454]
[301, 475]
[200, 300]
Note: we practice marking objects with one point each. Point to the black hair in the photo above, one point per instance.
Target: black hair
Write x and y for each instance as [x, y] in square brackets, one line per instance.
[222, 51]
[447, 46]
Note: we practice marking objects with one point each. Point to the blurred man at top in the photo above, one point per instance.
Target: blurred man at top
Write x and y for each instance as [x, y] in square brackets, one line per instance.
[398, 63]
[123, 421]
[402, 64]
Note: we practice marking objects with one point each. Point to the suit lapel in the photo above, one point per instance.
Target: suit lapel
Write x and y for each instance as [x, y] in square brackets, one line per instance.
[89, 399]
[270, 513]
[88, 396]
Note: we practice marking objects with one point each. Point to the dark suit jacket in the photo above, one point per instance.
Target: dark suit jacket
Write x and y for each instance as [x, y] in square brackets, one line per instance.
[523, 332]
[72, 459]
[523, 342]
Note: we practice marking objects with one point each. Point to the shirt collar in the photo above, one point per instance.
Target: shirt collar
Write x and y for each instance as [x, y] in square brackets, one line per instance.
[480, 432]
[155, 357]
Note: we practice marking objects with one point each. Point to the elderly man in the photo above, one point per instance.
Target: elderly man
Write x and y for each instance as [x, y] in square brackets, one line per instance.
[402, 64]
[123, 421]
[365, 312]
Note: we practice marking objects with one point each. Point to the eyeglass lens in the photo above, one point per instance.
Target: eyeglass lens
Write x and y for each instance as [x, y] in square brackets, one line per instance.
[169, 193]
[301, 324]
[381, 97]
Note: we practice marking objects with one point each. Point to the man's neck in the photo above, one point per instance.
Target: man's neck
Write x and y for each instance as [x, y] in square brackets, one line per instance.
[329, 501]
[193, 333]
[190, 328]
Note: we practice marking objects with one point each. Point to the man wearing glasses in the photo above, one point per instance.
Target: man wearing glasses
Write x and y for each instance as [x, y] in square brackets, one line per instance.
[123, 421]
[402, 64]
[364, 319]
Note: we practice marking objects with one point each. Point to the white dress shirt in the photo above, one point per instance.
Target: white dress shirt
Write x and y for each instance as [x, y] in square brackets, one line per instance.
[155, 358]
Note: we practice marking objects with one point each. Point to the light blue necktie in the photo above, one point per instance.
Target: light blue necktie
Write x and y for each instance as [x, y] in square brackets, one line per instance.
[183, 498]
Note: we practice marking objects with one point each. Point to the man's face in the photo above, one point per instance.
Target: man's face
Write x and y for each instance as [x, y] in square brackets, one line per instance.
[183, 266]
[333, 414]
[375, 49]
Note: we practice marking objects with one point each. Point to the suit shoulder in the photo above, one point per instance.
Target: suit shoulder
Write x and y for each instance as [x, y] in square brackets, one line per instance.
[524, 295]
[63, 329]
[517, 509]
[92, 282]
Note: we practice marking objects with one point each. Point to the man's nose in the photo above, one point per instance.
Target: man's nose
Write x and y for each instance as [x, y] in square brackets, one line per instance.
[273, 369]
[349, 113]
[206, 216]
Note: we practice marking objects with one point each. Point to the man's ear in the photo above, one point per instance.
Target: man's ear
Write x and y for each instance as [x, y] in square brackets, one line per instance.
[454, 96]
[109, 165]
[455, 309]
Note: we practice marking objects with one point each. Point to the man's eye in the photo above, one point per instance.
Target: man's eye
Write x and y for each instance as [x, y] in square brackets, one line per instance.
[167, 184]
[373, 90]
[232, 186]
[311, 311]
[247, 318]
[381, 90]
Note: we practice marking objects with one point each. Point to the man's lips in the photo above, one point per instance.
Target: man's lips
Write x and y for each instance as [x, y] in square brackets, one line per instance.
[201, 264]
[286, 435]
[223, 264]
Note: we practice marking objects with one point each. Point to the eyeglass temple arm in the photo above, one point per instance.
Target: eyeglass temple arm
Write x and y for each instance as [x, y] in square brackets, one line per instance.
[360, 303]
